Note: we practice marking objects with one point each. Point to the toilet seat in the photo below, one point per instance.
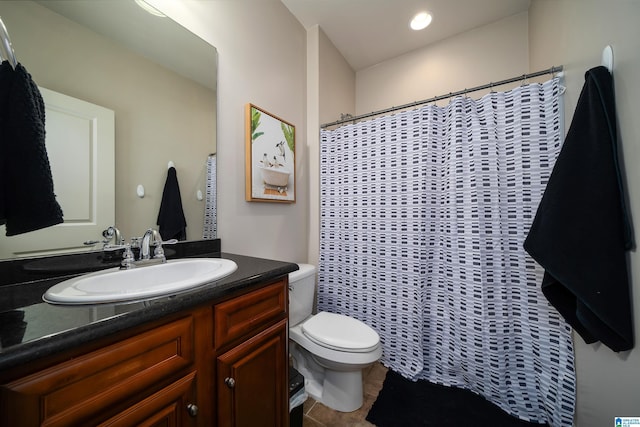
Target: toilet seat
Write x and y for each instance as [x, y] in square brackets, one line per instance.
[341, 333]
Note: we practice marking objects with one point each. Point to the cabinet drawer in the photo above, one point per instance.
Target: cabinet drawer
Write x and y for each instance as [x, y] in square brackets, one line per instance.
[98, 382]
[246, 314]
[167, 407]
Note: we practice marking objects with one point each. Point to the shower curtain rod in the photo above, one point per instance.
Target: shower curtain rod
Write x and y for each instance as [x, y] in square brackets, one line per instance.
[342, 120]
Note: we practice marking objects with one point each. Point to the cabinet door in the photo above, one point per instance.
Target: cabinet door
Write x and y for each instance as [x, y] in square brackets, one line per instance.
[173, 406]
[252, 381]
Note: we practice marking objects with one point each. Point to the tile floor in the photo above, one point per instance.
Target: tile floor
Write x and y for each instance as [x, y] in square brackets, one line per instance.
[318, 415]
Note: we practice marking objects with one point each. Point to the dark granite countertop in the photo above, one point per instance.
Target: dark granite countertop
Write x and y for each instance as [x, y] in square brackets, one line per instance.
[31, 329]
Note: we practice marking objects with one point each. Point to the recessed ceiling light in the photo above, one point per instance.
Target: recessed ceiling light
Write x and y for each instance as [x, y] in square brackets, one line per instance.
[421, 21]
[152, 10]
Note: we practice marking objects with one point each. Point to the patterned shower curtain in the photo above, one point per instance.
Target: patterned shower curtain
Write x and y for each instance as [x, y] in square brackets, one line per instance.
[423, 217]
[210, 229]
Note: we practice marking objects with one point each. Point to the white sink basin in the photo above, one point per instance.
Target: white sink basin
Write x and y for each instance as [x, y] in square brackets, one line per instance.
[114, 285]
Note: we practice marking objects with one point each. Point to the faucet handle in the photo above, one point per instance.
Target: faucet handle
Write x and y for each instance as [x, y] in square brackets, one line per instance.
[158, 252]
[128, 258]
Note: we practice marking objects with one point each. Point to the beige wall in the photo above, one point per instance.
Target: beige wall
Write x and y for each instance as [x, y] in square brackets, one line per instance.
[573, 33]
[337, 82]
[262, 60]
[490, 53]
[331, 90]
[158, 113]
[314, 37]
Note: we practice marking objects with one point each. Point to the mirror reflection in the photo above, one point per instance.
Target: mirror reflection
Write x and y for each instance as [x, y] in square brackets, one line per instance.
[157, 78]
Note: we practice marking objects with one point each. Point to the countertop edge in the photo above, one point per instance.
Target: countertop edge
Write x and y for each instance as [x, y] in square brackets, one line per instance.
[162, 307]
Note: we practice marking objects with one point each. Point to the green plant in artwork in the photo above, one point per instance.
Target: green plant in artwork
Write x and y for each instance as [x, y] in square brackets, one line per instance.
[255, 122]
[289, 135]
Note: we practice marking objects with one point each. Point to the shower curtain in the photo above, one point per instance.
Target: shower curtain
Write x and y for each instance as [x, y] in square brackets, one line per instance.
[210, 230]
[423, 217]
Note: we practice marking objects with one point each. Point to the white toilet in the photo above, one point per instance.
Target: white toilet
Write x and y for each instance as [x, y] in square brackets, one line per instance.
[329, 350]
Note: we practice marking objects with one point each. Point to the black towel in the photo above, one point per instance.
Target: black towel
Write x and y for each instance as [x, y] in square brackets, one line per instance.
[27, 200]
[582, 230]
[171, 221]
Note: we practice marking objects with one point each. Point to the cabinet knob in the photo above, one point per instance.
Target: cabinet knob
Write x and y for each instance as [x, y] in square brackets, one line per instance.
[230, 382]
[192, 409]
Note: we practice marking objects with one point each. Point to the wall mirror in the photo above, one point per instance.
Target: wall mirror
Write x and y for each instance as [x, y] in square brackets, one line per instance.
[157, 77]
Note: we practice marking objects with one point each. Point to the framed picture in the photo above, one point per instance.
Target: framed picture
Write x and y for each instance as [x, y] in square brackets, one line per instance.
[270, 157]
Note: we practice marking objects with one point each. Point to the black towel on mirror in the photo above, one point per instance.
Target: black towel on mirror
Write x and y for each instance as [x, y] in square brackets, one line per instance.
[27, 199]
[582, 229]
[171, 221]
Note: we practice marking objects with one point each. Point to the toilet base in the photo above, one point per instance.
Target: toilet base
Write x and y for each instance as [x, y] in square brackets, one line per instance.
[343, 391]
[339, 390]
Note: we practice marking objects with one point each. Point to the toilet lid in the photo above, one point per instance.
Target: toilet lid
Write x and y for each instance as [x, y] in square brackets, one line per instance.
[340, 332]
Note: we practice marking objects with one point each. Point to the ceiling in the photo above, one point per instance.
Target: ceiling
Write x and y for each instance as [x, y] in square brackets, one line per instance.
[368, 32]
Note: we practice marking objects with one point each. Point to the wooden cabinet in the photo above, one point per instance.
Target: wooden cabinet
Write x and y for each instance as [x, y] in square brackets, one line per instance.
[95, 386]
[250, 393]
[218, 364]
[250, 366]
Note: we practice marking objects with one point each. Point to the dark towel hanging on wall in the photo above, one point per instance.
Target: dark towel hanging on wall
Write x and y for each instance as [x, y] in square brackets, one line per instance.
[27, 200]
[582, 229]
[171, 221]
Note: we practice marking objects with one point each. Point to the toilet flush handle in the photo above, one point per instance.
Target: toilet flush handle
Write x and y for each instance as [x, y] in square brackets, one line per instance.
[230, 382]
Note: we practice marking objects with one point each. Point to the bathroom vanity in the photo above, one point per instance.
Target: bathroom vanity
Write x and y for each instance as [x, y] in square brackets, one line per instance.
[212, 356]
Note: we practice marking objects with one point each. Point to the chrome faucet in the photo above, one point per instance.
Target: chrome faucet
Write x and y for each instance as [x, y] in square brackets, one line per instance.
[112, 233]
[150, 236]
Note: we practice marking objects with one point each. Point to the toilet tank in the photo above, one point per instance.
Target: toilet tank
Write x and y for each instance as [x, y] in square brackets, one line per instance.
[302, 288]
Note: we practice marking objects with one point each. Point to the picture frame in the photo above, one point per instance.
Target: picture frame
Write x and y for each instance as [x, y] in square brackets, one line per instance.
[269, 156]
